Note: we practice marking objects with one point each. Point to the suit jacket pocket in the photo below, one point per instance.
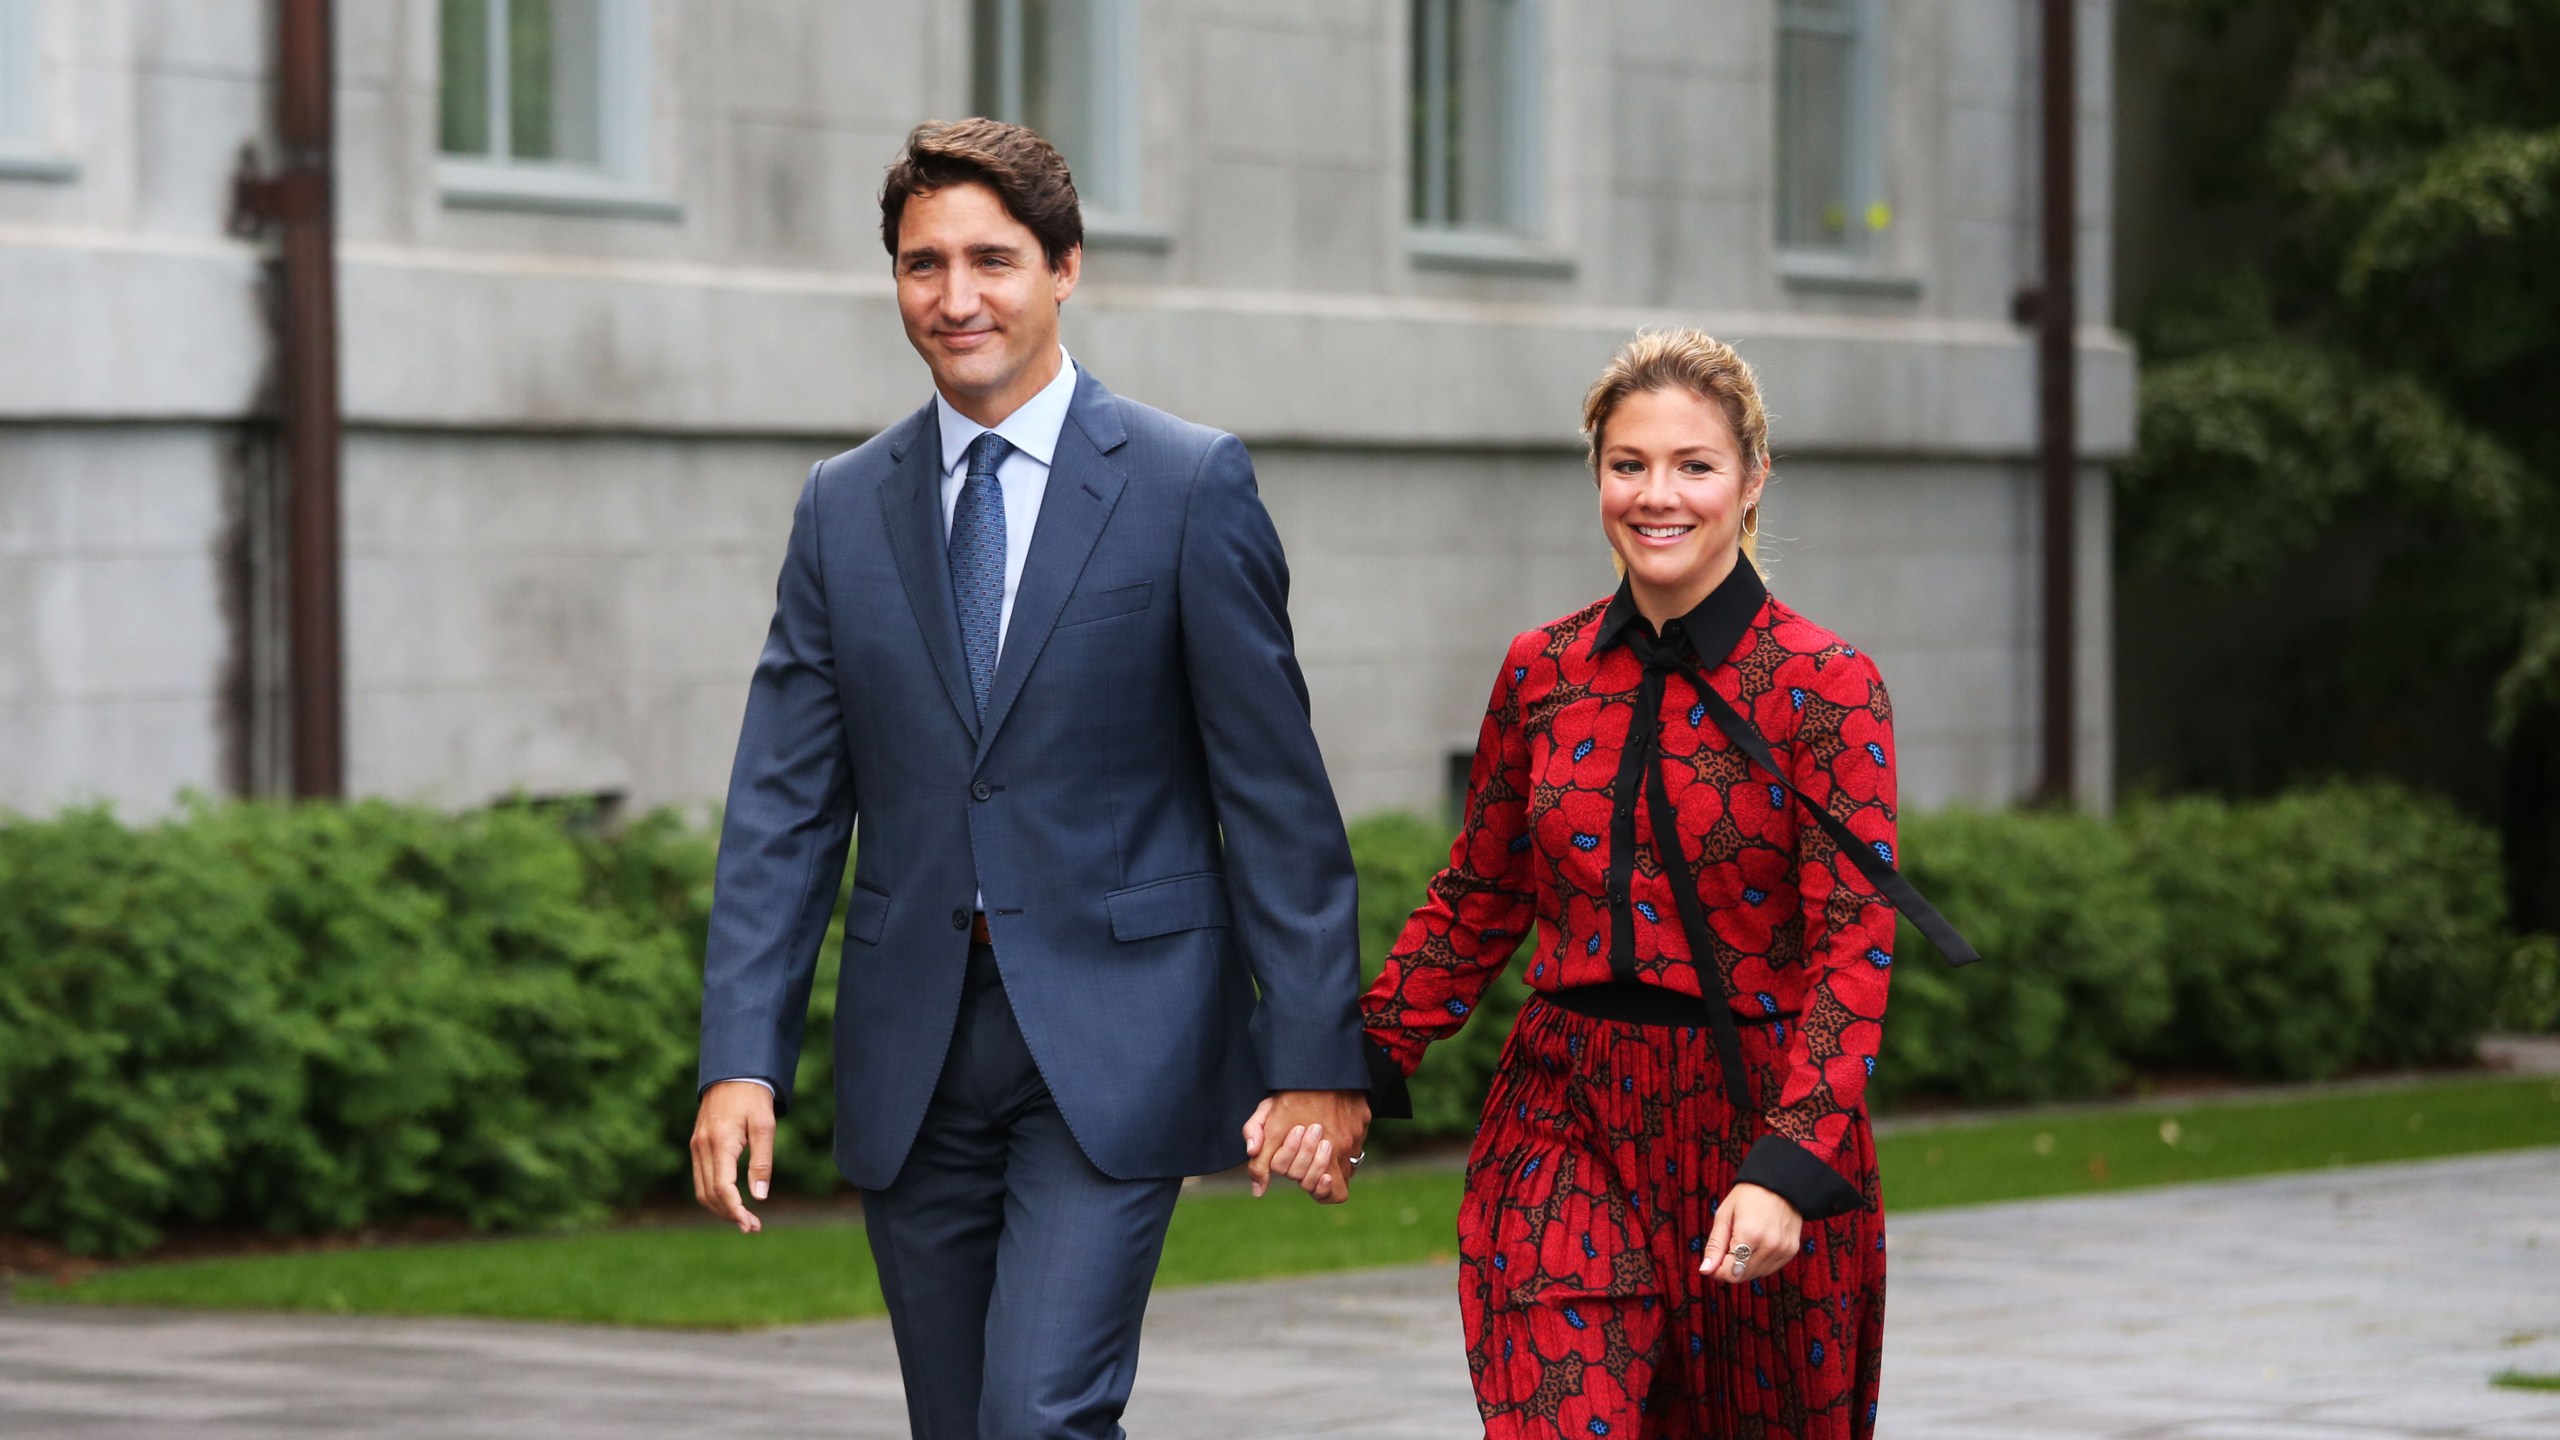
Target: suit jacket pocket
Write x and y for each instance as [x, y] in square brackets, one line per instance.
[1103, 604]
[1162, 907]
[866, 914]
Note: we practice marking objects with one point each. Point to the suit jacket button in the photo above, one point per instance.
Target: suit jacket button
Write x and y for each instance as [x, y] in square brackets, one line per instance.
[959, 919]
[982, 790]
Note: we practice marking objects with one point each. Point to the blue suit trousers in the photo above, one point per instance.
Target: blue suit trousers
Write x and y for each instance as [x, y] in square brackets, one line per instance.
[1016, 1272]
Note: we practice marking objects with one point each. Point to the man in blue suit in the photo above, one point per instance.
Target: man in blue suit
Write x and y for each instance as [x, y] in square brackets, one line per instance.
[1032, 640]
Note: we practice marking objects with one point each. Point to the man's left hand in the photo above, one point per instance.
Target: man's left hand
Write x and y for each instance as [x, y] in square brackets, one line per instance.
[1311, 1136]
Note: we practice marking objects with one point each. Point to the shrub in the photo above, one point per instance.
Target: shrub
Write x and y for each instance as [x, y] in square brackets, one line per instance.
[2071, 982]
[2529, 990]
[2323, 927]
[1397, 855]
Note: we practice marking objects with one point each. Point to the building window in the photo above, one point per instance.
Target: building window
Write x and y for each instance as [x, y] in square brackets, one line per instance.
[21, 77]
[1830, 178]
[1475, 115]
[1068, 69]
[544, 104]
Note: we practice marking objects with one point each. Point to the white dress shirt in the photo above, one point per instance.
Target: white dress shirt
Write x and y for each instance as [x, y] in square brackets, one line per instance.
[1032, 429]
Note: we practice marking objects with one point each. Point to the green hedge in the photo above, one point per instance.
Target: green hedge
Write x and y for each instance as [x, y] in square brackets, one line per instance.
[315, 1018]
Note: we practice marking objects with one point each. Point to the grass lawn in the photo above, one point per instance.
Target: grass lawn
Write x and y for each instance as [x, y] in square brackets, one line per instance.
[707, 1278]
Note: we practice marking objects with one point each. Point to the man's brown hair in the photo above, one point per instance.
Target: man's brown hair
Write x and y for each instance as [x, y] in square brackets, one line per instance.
[1027, 174]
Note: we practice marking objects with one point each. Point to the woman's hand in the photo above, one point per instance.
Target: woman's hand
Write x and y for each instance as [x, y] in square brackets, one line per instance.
[1756, 1234]
[1306, 1152]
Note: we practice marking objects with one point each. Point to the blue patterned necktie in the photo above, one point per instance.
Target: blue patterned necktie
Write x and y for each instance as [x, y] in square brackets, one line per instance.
[977, 562]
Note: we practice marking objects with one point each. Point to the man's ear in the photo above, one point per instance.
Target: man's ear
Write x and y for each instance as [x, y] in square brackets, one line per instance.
[1069, 269]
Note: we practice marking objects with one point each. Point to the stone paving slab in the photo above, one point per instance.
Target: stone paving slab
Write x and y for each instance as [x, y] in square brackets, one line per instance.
[2348, 1305]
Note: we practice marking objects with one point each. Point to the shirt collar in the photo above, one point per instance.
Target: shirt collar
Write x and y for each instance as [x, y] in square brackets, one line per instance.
[1032, 428]
[1714, 627]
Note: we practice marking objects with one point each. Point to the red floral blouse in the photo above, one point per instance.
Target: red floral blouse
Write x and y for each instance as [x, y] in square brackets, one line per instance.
[1799, 938]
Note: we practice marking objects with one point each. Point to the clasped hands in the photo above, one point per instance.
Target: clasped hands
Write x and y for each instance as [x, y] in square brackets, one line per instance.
[1313, 1137]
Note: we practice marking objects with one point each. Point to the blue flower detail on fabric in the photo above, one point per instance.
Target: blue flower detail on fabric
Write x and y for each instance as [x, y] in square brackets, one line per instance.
[1645, 909]
[1760, 1375]
[1589, 1250]
[1754, 897]
[1523, 1112]
[1845, 650]
[1519, 843]
[1591, 946]
[1871, 1065]
[1519, 673]
[1697, 1344]
[1627, 1083]
[1583, 750]
[1879, 958]
[1884, 851]
[1795, 696]
[1778, 795]
[1532, 1167]
[1585, 842]
[1697, 714]
[1697, 1244]
[1812, 1245]
[1778, 1032]
[1672, 1167]
[1879, 1244]
[1457, 1007]
[1538, 971]
[1501, 1262]
[1875, 752]
[1598, 1425]
[1506, 1343]
[1815, 1353]
[1574, 1318]
[1768, 1002]
[1573, 1045]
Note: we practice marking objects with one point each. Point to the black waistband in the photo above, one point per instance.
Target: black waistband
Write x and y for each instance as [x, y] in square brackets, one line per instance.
[1632, 1002]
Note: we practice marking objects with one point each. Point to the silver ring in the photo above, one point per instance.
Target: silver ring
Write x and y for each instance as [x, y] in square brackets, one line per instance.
[1355, 1160]
[1742, 1253]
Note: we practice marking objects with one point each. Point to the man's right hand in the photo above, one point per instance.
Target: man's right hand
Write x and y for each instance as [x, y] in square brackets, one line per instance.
[736, 1115]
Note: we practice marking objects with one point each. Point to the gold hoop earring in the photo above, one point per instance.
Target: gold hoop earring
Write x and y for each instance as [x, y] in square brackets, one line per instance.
[1751, 519]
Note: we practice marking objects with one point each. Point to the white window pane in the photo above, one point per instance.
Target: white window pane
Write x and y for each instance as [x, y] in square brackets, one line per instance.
[555, 72]
[1471, 100]
[1817, 160]
[21, 76]
[463, 81]
[1056, 66]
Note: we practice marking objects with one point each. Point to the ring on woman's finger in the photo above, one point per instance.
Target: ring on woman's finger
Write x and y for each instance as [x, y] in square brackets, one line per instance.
[1742, 1253]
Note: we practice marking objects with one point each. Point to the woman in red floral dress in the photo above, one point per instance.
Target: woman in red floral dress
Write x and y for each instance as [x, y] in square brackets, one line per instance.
[1671, 1224]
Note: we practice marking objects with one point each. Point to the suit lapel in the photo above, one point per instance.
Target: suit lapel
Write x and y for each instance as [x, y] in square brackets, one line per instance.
[1084, 485]
[911, 506]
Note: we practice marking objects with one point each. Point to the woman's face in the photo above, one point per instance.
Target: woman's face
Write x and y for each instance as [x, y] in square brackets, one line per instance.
[1673, 484]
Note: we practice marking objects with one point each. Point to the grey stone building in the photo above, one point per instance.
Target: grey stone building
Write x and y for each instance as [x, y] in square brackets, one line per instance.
[610, 280]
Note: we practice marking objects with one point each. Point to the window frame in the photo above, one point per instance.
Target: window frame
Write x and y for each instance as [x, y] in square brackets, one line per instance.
[1108, 181]
[25, 118]
[1865, 261]
[618, 182]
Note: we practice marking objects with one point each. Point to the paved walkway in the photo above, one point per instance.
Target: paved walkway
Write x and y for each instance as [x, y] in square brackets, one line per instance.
[2359, 1304]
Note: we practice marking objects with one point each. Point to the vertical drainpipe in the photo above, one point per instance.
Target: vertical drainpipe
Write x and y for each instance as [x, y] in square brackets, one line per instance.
[302, 204]
[2056, 393]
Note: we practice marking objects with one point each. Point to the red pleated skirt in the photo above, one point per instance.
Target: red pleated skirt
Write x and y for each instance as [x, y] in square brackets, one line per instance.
[1605, 1149]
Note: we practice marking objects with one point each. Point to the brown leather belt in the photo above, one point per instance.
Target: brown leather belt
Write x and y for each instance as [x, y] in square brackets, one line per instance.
[978, 932]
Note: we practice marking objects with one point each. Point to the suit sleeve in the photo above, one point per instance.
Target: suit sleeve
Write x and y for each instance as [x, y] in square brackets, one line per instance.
[1289, 878]
[1842, 759]
[783, 840]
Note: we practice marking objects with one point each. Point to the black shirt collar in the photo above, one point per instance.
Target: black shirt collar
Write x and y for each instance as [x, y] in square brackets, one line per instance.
[1713, 628]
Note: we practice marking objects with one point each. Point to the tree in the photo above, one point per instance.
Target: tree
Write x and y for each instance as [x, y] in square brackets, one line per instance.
[2373, 357]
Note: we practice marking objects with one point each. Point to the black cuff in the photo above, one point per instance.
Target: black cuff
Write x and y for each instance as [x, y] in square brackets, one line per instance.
[1786, 1168]
[1389, 1097]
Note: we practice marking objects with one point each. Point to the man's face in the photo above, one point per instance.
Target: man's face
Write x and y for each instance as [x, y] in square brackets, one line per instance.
[979, 300]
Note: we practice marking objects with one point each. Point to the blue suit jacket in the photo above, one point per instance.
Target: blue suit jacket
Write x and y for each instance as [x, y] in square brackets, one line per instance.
[1144, 810]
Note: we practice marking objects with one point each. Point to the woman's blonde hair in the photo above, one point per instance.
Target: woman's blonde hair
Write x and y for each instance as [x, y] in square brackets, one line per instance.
[1690, 360]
